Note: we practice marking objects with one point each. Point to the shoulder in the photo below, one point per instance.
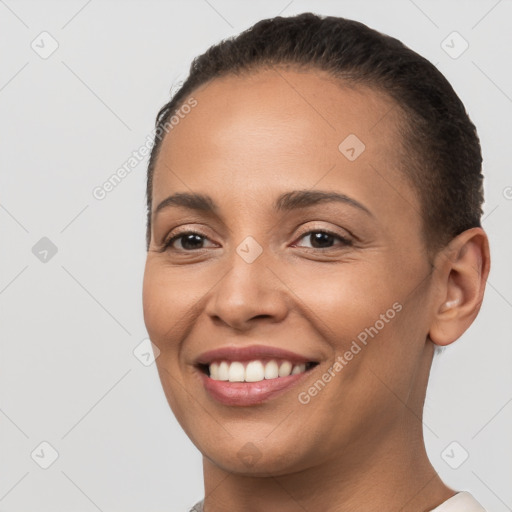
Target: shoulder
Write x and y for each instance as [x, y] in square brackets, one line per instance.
[461, 502]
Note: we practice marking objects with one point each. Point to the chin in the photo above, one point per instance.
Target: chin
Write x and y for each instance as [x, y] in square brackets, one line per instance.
[244, 456]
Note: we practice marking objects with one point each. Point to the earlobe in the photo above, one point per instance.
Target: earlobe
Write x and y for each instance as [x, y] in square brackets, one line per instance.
[461, 274]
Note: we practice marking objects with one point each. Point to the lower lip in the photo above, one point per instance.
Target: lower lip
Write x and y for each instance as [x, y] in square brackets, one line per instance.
[248, 393]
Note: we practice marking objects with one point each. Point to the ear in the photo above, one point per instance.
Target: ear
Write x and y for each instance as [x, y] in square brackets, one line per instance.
[461, 271]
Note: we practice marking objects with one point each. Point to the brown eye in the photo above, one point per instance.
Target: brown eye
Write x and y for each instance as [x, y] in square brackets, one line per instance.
[320, 239]
[189, 241]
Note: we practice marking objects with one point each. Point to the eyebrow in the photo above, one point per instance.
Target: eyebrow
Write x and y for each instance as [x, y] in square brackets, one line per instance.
[285, 202]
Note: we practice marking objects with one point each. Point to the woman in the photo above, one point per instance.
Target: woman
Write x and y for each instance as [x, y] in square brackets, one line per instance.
[314, 202]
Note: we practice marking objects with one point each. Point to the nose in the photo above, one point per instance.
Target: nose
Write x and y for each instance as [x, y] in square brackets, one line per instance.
[248, 294]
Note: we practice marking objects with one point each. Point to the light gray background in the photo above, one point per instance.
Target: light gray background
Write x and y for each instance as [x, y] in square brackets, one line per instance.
[68, 375]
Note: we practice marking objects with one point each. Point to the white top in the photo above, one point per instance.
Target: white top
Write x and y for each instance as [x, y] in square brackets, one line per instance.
[461, 502]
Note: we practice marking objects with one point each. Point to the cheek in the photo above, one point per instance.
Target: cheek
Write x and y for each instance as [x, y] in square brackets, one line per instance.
[370, 320]
[343, 300]
[166, 298]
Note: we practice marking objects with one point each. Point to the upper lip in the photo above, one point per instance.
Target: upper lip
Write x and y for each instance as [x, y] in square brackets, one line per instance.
[250, 353]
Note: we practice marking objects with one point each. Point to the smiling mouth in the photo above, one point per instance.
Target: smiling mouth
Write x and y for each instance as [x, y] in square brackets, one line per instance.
[253, 371]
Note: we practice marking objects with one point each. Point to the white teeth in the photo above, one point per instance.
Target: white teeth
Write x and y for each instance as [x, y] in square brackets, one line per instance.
[214, 371]
[271, 370]
[298, 368]
[285, 369]
[236, 372]
[253, 371]
[223, 373]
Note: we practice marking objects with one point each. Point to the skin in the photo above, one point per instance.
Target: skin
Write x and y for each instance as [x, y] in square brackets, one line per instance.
[358, 444]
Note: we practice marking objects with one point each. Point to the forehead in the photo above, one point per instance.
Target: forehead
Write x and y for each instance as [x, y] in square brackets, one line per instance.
[276, 130]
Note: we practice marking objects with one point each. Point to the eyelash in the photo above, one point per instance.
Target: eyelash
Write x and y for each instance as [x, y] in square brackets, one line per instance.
[344, 241]
[168, 244]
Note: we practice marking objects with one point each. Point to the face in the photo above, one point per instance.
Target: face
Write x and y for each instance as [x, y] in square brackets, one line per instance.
[306, 257]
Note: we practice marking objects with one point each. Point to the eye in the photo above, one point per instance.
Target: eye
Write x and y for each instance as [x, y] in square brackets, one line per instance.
[323, 239]
[193, 240]
[190, 241]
